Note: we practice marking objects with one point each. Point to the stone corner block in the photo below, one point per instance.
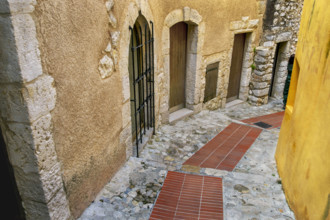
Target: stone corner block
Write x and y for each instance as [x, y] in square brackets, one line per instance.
[59, 206]
[236, 25]
[195, 16]
[106, 67]
[174, 17]
[186, 13]
[112, 20]
[27, 47]
[260, 92]
[286, 36]
[40, 96]
[15, 6]
[109, 5]
[269, 44]
[253, 23]
[115, 35]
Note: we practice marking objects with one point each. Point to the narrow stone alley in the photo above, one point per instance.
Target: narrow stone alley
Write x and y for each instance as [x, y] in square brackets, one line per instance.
[252, 190]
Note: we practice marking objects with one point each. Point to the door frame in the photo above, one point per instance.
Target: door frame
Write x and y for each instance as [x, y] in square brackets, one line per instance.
[246, 64]
[239, 57]
[171, 96]
[279, 71]
[195, 39]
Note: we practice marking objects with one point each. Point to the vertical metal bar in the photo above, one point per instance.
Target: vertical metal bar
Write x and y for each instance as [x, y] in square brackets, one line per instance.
[142, 79]
[146, 72]
[149, 79]
[134, 100]
[138, 81]
[153, 77]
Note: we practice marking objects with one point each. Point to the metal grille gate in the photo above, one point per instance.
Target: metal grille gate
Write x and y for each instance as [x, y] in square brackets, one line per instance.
[143, 80]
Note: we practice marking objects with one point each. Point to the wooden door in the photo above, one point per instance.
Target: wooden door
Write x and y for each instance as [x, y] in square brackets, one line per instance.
[236, 67]
[178, 50]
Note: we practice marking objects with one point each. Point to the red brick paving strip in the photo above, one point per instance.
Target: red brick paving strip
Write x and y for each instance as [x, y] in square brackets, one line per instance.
[275, 119]
[188, 196]
[226, 149]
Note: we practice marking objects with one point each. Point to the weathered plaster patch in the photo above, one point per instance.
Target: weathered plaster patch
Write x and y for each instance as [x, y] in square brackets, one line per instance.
[106, 67]
[107, 64]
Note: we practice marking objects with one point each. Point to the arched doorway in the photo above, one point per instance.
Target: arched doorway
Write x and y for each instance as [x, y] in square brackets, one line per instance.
[191, 21]
[178, 62]
[141, 76]
[183, 69]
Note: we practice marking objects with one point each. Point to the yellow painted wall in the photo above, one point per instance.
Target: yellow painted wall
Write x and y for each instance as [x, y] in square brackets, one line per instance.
[303, 151]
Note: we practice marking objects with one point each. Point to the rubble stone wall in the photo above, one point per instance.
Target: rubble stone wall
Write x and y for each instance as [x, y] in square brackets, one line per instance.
[280, 27]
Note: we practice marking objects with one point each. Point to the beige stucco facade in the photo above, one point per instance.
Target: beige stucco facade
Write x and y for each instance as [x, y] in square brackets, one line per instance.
[73, 90]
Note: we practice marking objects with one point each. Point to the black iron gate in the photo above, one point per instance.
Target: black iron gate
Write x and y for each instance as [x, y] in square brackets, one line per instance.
[143, 81]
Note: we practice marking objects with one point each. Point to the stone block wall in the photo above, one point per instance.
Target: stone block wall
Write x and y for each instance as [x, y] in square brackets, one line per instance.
[27, 96]
[280, 26]
[261, 76]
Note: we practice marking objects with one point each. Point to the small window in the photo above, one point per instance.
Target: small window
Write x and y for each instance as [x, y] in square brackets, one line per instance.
[211, 81]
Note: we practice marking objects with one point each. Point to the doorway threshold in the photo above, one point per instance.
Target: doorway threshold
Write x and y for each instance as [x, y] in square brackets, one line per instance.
[233, 103]
[180, 114]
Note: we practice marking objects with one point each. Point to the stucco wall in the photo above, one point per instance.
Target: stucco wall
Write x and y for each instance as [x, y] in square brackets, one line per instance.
[90, 112]
[87, 114]
[304, 145]
[91, 117]
[216, 14]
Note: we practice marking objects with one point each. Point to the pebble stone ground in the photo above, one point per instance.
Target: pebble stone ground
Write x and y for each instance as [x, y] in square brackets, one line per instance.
[252, 191]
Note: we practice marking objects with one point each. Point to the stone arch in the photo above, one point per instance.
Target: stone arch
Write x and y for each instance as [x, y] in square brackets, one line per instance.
[196, 29]
[133, 11]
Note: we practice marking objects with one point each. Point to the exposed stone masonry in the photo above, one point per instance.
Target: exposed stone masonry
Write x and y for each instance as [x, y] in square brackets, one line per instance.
[27, 97]
[281, 25]
[107, 65]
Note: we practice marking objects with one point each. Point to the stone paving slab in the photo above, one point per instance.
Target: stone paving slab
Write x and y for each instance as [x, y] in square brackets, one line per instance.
[132, 192]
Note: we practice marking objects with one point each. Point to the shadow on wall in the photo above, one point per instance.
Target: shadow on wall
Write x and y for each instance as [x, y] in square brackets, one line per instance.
[19, 165]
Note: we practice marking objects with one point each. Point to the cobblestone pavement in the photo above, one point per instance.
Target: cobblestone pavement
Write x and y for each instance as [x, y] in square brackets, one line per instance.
[252, 191]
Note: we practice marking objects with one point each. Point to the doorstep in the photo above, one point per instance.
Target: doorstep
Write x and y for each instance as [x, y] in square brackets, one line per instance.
[180, 114]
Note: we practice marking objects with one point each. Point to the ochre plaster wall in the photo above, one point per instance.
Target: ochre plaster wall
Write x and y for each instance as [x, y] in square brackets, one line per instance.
[87, 116]
[303, 149]
[217, 16]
